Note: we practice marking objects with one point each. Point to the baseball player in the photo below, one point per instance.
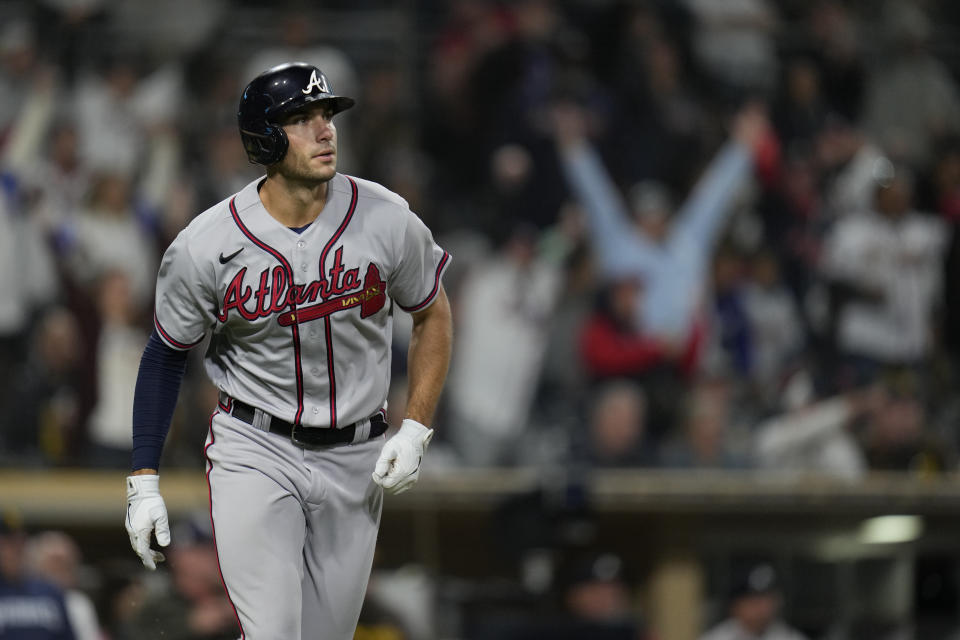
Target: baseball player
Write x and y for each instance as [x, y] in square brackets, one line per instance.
[295, 278]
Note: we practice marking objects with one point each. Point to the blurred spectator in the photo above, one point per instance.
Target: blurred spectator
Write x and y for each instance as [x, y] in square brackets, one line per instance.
[755, 601]
[499, 348]
[69, 30]
[734, 42]
[611, 346]
[449, 116]
[388, 112]
[594, 600]
[669, 252]
[43, 171]
[126, 125]
[223, 169]
[912, 100]
[776, 331]
[54, 556]
[111, 134]
[120, 346]
[730, 350]
[28, 128]
[55, 184]
[28, 279]
[884, 267]
[517, 66]
[801, 110]
[617, 428]
[42, 402]
[108, 235]
[707, 439]
[851, 164]
[597, 598]
[816, 436]
[836, 45]
[521, 188]
[512, 82]
[167, 30]
[564, 387]
[897, 436]
[196, 607]
[27, 276]
[657, 128]
[18, 62]
[29, 607]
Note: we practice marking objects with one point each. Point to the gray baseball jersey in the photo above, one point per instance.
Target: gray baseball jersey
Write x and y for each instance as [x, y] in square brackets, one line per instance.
[300, 329]
[301, 323]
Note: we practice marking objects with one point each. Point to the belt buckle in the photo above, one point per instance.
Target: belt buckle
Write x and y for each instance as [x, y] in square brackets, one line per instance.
[297, 437]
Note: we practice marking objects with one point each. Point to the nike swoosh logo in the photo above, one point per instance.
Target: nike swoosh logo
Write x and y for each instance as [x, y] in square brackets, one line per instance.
[225, 259]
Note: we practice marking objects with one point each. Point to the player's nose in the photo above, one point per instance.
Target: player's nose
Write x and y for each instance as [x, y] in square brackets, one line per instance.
[323, 129]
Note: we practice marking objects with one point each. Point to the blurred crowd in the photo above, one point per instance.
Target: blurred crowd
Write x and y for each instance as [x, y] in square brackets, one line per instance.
[685, 234]
[49, 590]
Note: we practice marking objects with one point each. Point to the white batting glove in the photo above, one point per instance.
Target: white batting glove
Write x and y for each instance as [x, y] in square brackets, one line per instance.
[399, 464]
[146, 511]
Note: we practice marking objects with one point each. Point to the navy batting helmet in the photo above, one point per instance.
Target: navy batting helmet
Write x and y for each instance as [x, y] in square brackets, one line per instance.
[273, 94]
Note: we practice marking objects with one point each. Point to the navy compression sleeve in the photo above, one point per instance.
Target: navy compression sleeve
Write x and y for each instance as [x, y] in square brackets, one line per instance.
[154, 399]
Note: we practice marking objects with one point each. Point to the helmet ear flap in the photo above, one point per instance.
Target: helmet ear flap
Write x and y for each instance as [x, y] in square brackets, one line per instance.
[267, 146]
[278, 144]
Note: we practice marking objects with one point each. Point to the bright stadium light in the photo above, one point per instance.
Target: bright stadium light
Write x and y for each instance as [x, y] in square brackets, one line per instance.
[890, 529]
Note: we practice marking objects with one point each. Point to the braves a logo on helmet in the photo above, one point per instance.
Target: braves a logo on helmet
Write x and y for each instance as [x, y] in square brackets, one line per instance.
[317, 80]
[275, 294]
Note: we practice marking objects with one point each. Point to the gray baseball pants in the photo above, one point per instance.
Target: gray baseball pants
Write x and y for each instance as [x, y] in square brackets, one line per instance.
[295, 530]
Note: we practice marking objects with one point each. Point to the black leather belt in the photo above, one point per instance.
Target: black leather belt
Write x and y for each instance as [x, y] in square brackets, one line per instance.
[305, 436]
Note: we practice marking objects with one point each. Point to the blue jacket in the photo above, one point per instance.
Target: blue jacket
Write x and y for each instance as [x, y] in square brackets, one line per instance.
[673, 272]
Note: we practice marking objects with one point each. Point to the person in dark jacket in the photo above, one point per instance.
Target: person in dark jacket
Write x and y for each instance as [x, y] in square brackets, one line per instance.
[30, 608]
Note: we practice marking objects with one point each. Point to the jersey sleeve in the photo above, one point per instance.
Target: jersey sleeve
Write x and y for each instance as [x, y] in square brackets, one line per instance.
[183, 301]
[415, 281]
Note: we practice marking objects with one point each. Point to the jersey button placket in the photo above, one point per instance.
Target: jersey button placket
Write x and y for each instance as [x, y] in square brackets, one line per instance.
[297, 255]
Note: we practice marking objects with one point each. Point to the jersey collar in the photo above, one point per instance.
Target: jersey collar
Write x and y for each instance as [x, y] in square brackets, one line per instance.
[254, 215]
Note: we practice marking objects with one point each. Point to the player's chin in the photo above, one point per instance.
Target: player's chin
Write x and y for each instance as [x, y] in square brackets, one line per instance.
[320, 173]
[323, 165]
